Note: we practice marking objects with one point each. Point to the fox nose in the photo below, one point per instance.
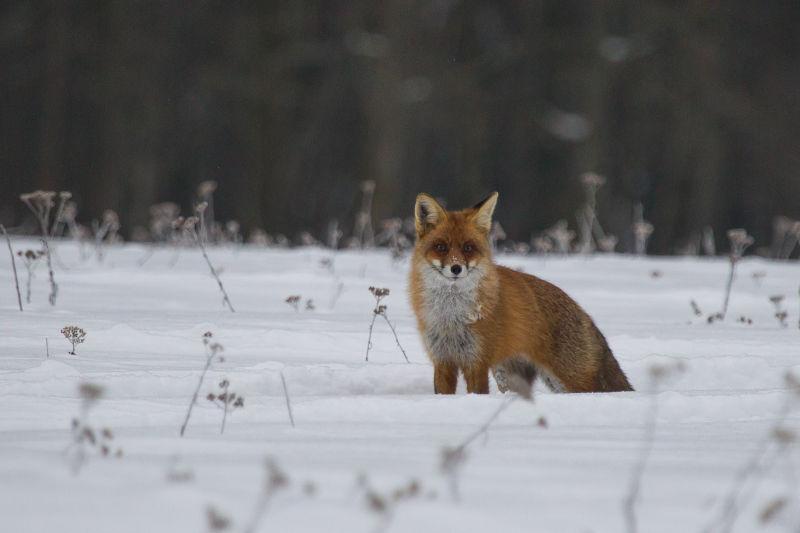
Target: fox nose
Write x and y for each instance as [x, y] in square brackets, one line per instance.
[455, 269]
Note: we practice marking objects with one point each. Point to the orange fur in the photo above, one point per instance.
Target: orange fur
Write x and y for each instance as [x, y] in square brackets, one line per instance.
[479, 316]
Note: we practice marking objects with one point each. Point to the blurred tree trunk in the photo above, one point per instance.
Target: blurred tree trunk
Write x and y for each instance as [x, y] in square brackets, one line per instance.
[54, 95]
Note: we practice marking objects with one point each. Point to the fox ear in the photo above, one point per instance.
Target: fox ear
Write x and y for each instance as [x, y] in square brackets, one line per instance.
[483, 212]
[427, 213]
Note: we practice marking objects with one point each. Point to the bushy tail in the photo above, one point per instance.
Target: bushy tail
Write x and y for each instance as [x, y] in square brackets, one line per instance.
[610, 377]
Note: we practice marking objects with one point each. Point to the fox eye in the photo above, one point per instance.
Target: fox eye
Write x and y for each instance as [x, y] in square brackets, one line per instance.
[440, 247]
[469, 247]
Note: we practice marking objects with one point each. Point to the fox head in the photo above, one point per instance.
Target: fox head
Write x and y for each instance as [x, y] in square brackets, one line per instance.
[454, 244]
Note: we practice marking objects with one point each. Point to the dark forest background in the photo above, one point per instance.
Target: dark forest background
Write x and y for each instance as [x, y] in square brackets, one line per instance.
[689, 108]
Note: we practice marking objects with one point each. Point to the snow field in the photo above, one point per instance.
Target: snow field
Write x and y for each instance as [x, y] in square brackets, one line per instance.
[380, 419]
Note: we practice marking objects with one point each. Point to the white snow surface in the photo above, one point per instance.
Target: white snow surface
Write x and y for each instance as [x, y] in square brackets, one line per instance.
[379, 420]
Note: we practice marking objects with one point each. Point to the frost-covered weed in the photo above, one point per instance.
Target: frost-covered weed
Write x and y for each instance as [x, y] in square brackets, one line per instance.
[453, 458]
[213, 351]
[380, 310]
[363, 233]
[227, 400]
[739, 241]
[74, 335]
[30, 260]
[275, 480]
[105, 232]
[780, 313]
[779, 442]
[658, 374]
[384, 504]
[13, 266]
[294, 301]
[41, 204]
[587, 216]
[85, 437]
[189, 228]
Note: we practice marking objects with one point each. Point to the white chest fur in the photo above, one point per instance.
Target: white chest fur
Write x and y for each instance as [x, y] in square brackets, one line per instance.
[449, 308]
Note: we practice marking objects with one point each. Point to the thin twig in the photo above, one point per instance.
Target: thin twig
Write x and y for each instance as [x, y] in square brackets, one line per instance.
[288, 400]
[729, 286]
[151, 249]
[225, 407]
[634, 488]
[225, 299]
[337, 293]
[13, 266]
[53, 284]
[487, 424]
[753, 469]
[275, 480]
[369, 339]
[395, 336]
[209, 359]
[47, 347]
[454, 457]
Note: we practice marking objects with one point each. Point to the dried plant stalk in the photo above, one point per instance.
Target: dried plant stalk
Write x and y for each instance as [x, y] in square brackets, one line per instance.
[212, 350]
[189, 226]
[13, 266]
[288, 400]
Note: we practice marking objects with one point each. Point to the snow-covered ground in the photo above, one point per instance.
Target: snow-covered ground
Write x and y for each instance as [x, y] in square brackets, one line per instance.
[379, 420]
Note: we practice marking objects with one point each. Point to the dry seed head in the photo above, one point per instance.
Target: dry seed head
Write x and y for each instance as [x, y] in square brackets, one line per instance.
[784, 436]
[793, 382]
[776, 299]
[275, 477]
[88, 434]
[740, 241]
[379, 292]
[607, 243]
[201, 207]
[90, 391]
[591, 179]
[111, 218]
[74, 334]
[70, 212]
[542, 245]
[772, 510]
[452, 459]
[642, 229]
[216, 520]
[206, 188]
[376, 503]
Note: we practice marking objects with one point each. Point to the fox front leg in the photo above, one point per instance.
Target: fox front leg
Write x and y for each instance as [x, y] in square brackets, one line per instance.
[445, 378]
[477, 378]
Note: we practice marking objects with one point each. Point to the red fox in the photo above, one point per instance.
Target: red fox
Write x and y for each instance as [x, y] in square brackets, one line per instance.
[475, 316]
